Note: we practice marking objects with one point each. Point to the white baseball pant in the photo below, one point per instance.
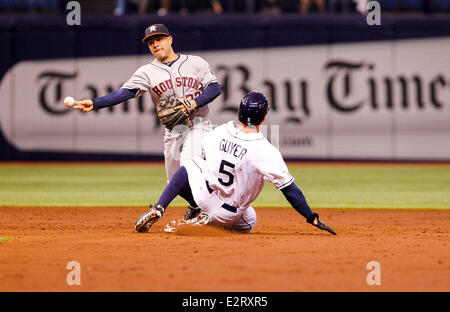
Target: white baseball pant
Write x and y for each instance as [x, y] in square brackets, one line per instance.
[183, 143]
[221, 214]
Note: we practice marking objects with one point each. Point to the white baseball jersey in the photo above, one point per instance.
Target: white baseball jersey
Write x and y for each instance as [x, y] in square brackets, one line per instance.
[237, 163]
[187, 77]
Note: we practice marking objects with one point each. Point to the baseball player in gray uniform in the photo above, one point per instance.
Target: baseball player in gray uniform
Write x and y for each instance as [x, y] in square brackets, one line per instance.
[236, 161]
[187, 77]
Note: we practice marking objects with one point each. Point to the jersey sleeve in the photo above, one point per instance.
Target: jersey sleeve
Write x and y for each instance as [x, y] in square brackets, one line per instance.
[273, 168]
[206, 74]
[139, 80]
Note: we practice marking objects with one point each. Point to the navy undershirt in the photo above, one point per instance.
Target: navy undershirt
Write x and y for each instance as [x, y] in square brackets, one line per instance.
[171, 62]
[114, 98]
[295, 197]
[208, 95]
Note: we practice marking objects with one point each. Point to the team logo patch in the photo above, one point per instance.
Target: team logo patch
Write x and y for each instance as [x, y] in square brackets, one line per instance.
[153, 28]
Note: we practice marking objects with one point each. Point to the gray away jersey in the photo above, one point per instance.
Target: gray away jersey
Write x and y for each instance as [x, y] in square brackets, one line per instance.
[187, 77]
[237, 164]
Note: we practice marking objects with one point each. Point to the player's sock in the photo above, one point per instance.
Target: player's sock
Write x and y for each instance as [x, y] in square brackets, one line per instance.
[177, 185]
[187, 195]
[297, 200]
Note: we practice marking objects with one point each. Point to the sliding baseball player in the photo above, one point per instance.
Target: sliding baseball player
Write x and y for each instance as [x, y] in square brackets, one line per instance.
[237, 160]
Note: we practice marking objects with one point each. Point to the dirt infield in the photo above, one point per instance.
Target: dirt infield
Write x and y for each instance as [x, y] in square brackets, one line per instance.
[283, 253]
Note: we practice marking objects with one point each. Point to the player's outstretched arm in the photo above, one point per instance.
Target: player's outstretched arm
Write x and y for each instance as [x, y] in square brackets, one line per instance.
[296, 198]
[110, 99]
[114, 98]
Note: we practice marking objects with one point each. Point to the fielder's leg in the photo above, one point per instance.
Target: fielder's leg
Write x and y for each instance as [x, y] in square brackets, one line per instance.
[192, 147]
[172, 148]
[184, 145]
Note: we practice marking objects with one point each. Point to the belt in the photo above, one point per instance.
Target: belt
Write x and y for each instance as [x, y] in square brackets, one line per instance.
[225, 206]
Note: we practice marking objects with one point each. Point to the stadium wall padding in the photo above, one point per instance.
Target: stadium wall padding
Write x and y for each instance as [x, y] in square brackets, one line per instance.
[33, 41]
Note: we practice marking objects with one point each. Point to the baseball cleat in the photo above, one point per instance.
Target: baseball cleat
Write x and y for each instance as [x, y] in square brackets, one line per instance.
[191, 213]
[145, 222]
[314, 220]
[201, 219]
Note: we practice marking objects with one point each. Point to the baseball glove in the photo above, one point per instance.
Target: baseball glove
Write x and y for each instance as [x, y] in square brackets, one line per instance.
[174, 111]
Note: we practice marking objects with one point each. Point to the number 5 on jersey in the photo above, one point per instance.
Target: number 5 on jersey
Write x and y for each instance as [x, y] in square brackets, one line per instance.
[225, 169]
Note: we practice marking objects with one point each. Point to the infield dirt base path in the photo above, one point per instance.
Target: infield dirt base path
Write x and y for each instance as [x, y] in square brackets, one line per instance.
[283, 253]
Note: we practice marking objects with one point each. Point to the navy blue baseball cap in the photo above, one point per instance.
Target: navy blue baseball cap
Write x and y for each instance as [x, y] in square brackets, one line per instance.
[155, 29]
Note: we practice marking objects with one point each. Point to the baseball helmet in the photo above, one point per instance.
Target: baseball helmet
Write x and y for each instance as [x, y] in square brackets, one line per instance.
[253, 108]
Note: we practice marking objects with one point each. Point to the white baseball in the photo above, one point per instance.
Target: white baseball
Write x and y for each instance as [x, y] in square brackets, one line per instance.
[69, 101]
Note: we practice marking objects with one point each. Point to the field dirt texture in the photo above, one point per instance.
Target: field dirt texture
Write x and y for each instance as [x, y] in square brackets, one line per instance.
[283, 252]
